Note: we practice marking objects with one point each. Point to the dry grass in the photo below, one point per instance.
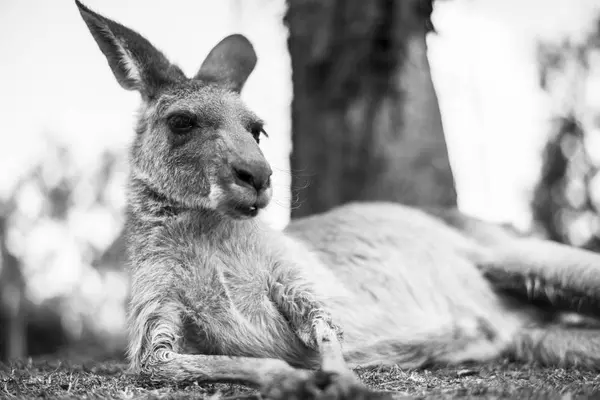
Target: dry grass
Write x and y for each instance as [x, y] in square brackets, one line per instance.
[62, 379]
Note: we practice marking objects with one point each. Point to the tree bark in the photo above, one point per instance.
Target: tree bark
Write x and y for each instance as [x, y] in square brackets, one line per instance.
[366, 123]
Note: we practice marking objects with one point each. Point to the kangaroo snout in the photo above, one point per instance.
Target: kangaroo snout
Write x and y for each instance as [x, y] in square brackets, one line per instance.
[252, 174]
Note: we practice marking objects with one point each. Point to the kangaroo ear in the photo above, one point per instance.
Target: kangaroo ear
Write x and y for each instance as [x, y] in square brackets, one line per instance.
[229, 63]
[136, 64]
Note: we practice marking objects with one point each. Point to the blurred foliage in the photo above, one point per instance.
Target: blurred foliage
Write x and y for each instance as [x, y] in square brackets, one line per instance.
[59, 217]
[567, 199]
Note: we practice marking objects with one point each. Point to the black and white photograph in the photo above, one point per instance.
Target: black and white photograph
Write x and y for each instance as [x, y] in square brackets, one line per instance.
[300, 199]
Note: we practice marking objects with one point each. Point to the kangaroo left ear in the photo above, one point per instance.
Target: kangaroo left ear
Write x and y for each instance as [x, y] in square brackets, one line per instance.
[134, 61]
[229, 63]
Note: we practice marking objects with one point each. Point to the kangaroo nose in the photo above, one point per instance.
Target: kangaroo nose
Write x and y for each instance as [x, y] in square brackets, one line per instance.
[255, 175]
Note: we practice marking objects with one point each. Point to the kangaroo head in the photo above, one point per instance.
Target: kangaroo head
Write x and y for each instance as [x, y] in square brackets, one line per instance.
[196, 143]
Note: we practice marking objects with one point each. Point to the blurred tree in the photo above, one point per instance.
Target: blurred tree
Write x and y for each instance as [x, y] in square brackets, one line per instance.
[52, 194]
[12, 301]
[25, 329]
[366, 123]
[566, 200]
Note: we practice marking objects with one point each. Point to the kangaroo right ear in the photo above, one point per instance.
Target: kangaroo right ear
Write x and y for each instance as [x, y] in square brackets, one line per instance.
[136, 64]
[229, 63]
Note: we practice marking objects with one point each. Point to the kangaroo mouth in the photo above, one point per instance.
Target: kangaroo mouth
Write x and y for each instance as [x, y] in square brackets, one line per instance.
[243, 204]
[246, 211]
[249, 209]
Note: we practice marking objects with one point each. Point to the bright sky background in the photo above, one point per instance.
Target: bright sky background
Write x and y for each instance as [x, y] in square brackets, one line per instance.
[55, 81]
[495, 116]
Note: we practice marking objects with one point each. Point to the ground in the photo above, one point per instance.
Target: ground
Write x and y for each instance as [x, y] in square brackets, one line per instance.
[62, 379]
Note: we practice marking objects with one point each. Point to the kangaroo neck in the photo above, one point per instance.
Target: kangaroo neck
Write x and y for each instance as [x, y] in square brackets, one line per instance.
[144, 200]
[150, 208]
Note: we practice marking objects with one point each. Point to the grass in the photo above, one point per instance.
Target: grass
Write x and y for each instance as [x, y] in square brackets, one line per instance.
[64, 379]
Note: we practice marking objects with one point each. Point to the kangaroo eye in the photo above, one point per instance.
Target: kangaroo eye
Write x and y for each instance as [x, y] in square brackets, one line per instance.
[181, 123]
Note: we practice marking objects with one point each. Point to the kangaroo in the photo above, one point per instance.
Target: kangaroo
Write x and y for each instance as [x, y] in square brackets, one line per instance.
[216, 295]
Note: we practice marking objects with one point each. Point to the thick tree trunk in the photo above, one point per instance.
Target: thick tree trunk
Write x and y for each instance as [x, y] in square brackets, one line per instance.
[365, 118]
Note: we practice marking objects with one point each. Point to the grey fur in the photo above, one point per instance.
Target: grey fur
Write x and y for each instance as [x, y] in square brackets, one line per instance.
[216, 295]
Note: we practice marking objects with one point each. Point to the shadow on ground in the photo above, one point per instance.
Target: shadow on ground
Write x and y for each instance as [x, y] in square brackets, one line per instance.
[77, 378]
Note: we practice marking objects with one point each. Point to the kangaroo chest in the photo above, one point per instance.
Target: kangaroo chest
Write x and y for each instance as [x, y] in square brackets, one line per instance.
[230, 308]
